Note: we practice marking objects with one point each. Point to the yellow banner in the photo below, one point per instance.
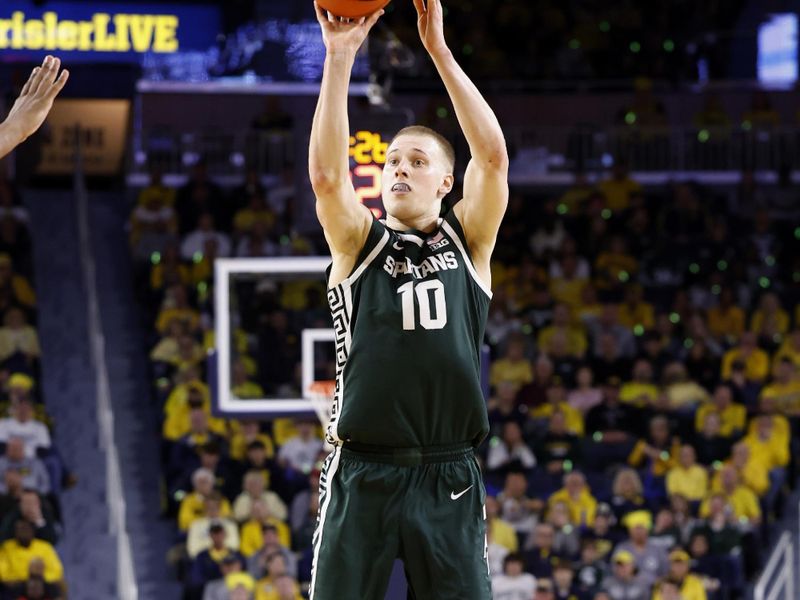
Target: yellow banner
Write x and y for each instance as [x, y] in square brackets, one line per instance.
[104, 32]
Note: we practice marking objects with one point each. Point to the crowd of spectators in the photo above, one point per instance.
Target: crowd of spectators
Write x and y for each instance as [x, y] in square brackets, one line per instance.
[32, 472]
[582, 40]
[644, 385]
[243, 493]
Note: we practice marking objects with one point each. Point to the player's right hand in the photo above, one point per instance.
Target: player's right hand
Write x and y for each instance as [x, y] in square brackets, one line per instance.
[344, 36]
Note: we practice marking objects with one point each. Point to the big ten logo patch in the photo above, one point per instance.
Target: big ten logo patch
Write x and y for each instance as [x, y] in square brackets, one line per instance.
[367, 155]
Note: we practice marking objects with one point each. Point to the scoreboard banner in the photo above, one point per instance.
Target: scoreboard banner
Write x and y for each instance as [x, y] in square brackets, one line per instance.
[122, 32]
[368, 146]
[367, 157]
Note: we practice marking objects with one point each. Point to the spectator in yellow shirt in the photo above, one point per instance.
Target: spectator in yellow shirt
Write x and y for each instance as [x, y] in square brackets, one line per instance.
[249, 431]
[772, 452]
[687, 478]
[682, 391]
[562, 321]
[640, 391]
[755, 360]
[733, 417]
[266, 587]
[256, 212]
[253, 530]
[21, 290]
[179, 405]
[615, 265]
[790, 348]
[619, 188]
[16, 555]
[578, 498]
[770, 318]
[514, 367]
[557, 402]
[726, 320]
[176, 306]
[742, 500]
[567, 283]
[17, 337]
[785, 387]
[285, 588]
[766, 445]
[752, 473]
[634, 310]
[241, 384]
[193, 505]
[500, 530]
[156, 187]
[169, 270]
[690, 585]
[781, 429]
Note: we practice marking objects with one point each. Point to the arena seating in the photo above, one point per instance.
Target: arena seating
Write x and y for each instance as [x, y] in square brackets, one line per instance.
[645, 349]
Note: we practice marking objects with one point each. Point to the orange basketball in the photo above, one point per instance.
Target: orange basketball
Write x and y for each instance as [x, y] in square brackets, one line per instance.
[352, 9]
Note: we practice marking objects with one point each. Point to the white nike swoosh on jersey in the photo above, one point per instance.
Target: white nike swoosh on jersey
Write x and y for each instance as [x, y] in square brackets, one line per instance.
[454, 496]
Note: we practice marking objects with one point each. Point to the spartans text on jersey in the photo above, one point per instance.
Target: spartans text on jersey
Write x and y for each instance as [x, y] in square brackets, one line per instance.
[433, 264]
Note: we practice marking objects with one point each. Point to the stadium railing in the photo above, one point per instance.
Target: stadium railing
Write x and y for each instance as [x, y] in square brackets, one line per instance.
[538, 149]
[126, 580]
[778, 576]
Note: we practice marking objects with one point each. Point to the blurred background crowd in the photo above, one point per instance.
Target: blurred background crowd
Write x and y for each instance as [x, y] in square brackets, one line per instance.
[643, 343]
[645, 346]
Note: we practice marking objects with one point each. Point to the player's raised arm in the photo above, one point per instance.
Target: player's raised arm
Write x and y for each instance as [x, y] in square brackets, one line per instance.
[33, 105]
[486, 179]
[344, 219]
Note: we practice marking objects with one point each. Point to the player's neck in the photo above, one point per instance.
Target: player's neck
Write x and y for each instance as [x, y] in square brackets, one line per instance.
[424, 223]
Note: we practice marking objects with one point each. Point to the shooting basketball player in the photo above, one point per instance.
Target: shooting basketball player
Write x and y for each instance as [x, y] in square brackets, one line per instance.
[409, 298]
[34, 103]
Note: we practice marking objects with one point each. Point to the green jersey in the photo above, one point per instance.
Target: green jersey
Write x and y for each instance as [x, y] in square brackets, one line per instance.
[409, 323]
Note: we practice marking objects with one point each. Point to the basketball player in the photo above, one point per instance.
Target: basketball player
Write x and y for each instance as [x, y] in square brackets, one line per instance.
[409, 298]
[34, 103]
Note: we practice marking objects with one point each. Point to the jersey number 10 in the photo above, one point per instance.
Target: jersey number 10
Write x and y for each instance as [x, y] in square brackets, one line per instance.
[422, 291]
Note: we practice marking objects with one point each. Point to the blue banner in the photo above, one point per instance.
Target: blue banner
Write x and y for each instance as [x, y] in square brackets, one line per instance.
[123, 32]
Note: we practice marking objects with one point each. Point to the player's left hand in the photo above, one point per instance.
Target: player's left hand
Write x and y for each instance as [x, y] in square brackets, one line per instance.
[430, 23]
[36, 99]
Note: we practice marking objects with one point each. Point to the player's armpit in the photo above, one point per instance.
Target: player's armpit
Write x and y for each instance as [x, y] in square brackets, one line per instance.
[484, 204]
[345, 221]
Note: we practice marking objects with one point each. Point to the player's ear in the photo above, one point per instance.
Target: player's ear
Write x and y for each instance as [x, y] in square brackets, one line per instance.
[446, 186]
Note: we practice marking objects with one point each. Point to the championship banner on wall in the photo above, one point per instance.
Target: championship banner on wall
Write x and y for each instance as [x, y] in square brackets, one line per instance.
[101, 125]
[103, 31]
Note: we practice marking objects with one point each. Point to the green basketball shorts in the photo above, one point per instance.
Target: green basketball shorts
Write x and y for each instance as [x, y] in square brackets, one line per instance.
[422, 505]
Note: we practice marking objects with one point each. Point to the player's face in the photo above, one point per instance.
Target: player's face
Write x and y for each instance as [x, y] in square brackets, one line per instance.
[416, 177]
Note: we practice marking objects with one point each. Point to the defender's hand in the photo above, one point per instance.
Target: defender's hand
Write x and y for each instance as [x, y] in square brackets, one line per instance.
[344, 36]
[34, 103]
[430, 23]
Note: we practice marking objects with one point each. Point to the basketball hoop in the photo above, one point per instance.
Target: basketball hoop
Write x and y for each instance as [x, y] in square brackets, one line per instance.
[320, 393]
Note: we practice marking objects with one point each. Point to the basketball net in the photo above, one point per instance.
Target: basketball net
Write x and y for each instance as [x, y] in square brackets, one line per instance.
[320, 394]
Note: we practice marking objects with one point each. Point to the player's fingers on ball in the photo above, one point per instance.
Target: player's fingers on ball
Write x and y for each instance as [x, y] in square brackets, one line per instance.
[420, 6]
[321, 13]
[373, 18]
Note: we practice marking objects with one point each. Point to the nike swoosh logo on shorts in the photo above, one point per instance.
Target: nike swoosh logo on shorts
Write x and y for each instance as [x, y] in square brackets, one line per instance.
[454, 496]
